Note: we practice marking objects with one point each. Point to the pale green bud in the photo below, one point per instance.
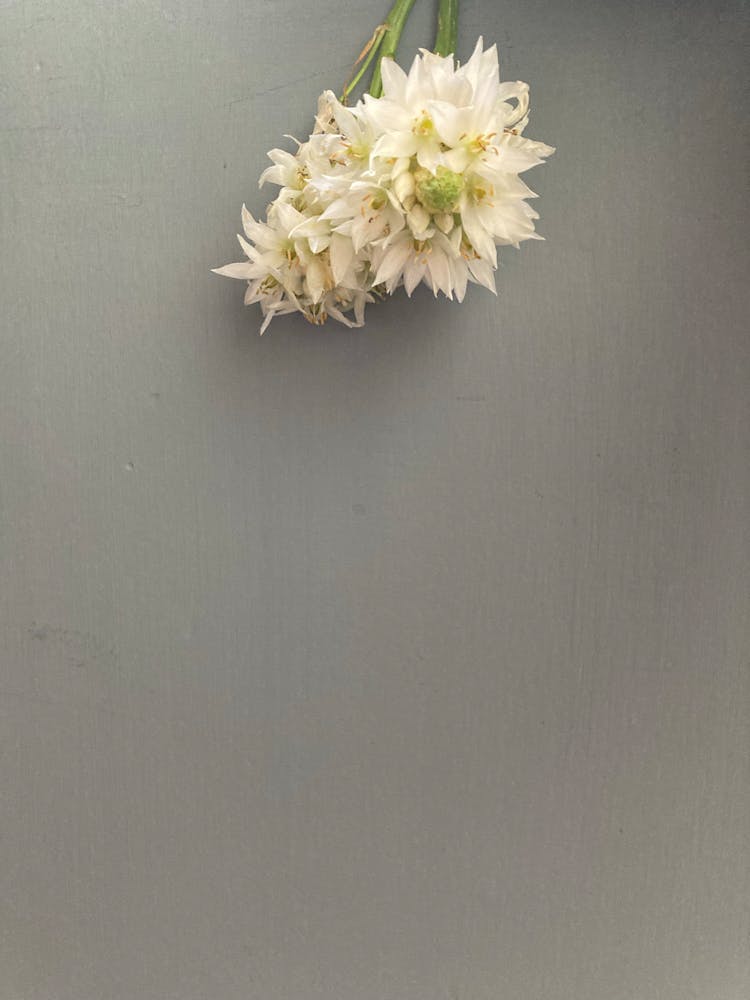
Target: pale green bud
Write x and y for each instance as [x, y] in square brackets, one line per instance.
[438, 192]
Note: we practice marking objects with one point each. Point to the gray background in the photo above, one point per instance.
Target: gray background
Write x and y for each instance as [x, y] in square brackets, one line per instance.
[398, 664]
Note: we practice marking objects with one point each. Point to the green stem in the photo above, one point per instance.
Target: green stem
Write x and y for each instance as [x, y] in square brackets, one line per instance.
[395, 21]
[447, 33]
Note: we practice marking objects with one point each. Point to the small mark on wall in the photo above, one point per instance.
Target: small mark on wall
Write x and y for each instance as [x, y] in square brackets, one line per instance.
[79, 649]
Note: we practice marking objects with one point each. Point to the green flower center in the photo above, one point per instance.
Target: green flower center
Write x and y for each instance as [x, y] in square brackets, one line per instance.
[438, 192]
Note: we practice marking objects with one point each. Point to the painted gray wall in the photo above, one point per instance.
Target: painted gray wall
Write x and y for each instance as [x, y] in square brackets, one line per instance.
[399, 664]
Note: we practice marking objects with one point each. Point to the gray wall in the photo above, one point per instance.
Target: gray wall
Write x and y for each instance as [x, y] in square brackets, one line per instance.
[407, 663]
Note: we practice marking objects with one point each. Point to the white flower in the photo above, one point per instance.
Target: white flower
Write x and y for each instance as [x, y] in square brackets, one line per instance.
[436, 260]
[365, 213]
[285, 274]
[458, 130]
[287, 171]
[419, 185]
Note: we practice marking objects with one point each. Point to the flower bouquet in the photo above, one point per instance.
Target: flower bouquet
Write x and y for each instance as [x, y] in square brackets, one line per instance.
[416, 182]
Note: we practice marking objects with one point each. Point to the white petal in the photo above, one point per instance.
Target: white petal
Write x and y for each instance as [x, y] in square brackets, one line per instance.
[270, 313]
[394, 80]
[258, 232]
[240, 270]
[288, 216]
[393, 262]
[315, 279]
[339, 209]
[516, 154]
[482, 274]
[478, 235]
[396, 144]
[250, 251]
[342, 254]
[429, 155]
[457, 159]
[449, 120]
[413, 274]
[387, 116]
[518, 92]
[319, 243]
[437, 265]
[460, 279]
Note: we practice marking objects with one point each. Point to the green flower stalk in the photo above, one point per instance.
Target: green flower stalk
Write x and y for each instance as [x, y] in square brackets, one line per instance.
[447, 33]
[386, 37]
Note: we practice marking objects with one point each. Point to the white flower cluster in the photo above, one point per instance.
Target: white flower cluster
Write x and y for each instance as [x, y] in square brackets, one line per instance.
[420, 184]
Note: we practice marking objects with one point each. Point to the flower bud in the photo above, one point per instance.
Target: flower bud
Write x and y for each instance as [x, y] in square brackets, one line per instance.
[438, 192]
[404, 185]
[418, 219]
